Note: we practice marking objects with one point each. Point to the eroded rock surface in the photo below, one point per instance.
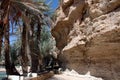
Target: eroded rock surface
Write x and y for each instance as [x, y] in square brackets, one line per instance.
[88, 34]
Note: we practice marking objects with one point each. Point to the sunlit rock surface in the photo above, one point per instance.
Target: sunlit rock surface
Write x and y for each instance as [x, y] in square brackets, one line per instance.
[88, 34]
[73, 75]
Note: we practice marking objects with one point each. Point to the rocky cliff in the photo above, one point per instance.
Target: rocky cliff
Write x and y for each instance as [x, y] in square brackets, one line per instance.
[87, 32]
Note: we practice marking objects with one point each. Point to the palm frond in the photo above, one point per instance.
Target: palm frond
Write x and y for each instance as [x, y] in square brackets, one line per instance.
[29, 7]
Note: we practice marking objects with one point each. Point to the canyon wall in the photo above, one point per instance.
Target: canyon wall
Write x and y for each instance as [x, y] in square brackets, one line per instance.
[87, 32]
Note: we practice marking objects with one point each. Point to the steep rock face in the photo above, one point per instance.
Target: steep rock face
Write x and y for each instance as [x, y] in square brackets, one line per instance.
[88, 34]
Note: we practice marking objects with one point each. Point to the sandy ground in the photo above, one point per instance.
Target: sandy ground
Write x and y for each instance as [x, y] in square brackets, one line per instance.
[73, 75]
[66, 75]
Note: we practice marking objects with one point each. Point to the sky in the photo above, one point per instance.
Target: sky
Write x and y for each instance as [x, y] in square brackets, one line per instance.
[54, 4]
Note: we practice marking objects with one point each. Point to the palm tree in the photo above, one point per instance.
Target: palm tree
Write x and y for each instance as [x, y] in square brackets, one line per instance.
[13, 10]
[24, 60]
[4, 18]
[38, 56]
[34, 52]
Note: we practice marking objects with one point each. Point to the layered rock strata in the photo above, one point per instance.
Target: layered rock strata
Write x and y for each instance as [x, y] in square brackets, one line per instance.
[87, 32]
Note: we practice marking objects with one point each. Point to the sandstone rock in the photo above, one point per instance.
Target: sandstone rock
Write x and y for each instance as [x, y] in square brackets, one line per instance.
[88, 36]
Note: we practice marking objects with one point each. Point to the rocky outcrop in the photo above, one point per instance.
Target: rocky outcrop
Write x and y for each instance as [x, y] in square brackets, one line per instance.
[87, 32]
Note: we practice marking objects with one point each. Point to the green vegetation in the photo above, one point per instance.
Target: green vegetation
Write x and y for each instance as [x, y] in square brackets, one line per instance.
[28, 21]
[46, 43]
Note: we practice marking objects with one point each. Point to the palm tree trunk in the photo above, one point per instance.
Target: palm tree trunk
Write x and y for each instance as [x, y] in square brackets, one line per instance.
[7, 56]
[6, 37]
[38, 42]
[10, 67]
[4, 6]
[24, 60]
[1, 36]
[38, 32]
[34, 56]
[35, 53]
